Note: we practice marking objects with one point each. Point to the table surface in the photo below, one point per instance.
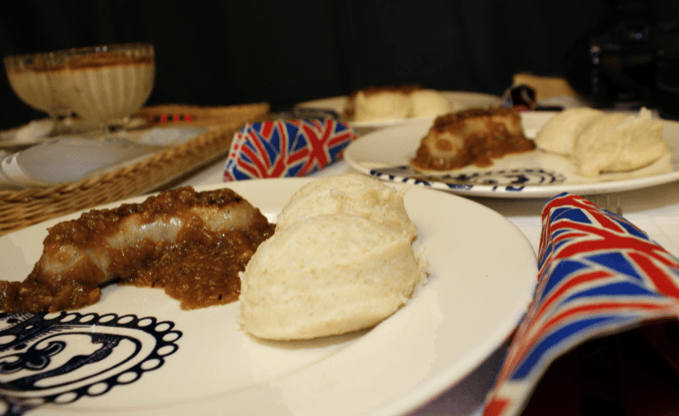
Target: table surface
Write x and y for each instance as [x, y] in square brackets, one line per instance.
[654, 210]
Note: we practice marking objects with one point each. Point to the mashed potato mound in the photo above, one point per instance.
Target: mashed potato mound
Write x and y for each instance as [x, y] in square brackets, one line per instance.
[619, 143]
[328, 275]
[599, 142]
[558, 135]
[429, 103]
[386, 105]
[333, 266]
[396, 104]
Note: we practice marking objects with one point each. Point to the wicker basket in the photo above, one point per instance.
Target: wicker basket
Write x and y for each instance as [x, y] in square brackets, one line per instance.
[22, 208]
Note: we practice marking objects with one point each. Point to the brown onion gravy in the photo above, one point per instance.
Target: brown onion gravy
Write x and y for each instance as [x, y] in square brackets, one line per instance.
[474, 136]
[199, 267]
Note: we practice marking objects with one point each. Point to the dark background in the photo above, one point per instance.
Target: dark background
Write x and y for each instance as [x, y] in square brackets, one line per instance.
[284, 52]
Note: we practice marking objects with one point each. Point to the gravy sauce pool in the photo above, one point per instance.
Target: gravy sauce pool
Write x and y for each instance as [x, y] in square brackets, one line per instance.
[199, 271]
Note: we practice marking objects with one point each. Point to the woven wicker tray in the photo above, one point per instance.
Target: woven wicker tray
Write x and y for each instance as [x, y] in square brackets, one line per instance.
[19, 209]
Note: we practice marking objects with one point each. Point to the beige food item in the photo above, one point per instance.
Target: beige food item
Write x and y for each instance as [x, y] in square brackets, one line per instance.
[619, 142]
[386, 105]
[332, 266]
[559, 133]
[328, 275]
[353, 194]
[429, 103]
[395, 103]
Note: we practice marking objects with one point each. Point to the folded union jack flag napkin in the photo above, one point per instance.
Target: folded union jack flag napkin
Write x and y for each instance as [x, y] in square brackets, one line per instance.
[285, 148]
[598, 275]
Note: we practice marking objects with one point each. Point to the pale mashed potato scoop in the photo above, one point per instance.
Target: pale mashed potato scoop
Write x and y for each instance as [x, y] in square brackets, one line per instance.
[341, 260]
[619, 142]
[598, 142]
[328, 275]
[558, 134]
[386, 105]
[429, 103]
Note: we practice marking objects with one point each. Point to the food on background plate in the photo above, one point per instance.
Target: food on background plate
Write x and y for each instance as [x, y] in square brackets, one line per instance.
[429, 103]
[619, 143]
[192, 244]
[558, 135]
[378, 105]
[474, 136]
[341, 260]
[395, 103]
[599, 142]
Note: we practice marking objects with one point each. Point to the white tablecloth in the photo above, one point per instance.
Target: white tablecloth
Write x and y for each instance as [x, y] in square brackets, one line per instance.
[654, 210]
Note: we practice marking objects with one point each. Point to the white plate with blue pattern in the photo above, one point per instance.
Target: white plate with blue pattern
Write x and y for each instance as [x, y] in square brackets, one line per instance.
[137, 353]
[386, 153]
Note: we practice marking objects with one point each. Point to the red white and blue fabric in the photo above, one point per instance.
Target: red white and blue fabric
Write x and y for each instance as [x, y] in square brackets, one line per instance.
[286, 148]
[598, 275]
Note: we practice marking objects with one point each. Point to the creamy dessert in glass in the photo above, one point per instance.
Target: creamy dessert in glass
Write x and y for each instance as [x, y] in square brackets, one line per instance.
[104, 84]
[28, 76]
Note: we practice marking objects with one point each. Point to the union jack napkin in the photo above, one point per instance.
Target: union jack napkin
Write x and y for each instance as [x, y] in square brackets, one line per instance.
[598, 275]
[285, 148]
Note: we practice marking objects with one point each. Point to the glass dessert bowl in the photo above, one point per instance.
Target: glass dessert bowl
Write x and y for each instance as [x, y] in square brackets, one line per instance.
[28, 75]
[104, 84]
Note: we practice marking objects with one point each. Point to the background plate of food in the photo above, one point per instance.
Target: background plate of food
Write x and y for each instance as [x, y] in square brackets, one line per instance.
[137, 352]
[537, 173]
[374, 108]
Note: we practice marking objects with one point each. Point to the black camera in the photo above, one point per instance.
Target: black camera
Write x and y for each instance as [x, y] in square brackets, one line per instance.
[632, 60]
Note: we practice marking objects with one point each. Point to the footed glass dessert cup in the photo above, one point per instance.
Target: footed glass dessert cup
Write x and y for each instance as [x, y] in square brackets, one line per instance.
[28, 75]
[104, 84]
